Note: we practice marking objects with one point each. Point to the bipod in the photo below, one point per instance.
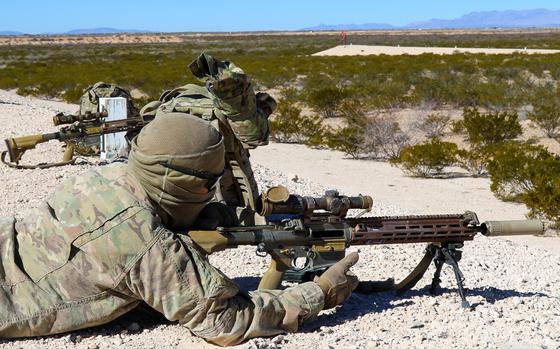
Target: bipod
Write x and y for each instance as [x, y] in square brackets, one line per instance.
[447, 253]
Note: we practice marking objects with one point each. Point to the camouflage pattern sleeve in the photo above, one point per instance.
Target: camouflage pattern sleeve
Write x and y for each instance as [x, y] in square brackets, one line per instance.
[176, 279]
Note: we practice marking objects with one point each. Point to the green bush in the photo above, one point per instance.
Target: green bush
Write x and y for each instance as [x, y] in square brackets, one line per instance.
[490, 129]
[350, 139]
[289, 126]
[434, 125]
[326, 100]
[273, 61]
[546, 110]
[475, 160]
[486, 133]
[427, 159]
[528, 174]
[513, 168]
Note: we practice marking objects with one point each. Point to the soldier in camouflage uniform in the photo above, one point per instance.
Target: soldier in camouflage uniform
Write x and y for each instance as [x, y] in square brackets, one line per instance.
[111, 239]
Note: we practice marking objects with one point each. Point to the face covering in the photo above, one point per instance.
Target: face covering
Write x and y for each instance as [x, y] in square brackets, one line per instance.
[180, 182]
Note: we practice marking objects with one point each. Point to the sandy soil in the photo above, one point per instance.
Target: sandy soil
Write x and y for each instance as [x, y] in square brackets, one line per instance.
[366, 50]
[513, 285]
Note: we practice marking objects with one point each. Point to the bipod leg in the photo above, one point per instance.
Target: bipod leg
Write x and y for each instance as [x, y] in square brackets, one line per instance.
[452, 260]
[436, 280]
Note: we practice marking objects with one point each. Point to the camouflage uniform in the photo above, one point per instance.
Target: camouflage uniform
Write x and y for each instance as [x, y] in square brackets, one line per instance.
[97, 248]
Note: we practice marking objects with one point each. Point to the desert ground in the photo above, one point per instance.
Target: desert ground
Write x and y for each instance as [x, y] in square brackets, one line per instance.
[513, 284]
[366, 50]
[127, 38]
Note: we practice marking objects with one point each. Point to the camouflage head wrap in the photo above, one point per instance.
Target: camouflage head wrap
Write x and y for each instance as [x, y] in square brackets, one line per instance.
[174, 158]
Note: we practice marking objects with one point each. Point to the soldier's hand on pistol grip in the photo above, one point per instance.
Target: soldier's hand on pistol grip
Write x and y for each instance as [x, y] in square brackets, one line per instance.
[215, 214]
[337, 282]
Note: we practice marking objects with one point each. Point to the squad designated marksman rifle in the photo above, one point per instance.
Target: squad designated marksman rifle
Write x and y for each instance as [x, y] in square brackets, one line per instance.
[306, 235]
[77, 127]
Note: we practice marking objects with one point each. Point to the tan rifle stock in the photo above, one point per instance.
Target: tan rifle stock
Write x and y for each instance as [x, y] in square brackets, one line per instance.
[82, 126]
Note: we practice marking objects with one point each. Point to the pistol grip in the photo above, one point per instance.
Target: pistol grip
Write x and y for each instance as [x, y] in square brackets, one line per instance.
[69, 152]
[272, 278]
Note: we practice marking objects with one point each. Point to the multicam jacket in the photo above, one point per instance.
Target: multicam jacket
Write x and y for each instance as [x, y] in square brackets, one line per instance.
[96, 249]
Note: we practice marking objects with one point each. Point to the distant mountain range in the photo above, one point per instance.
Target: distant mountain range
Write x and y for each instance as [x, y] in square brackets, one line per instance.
[104, 31]
[83, 31]
[7, 32]
[538, 18]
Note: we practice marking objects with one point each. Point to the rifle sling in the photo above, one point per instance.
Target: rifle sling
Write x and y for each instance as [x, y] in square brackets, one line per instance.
[38, 166]
[412, 279]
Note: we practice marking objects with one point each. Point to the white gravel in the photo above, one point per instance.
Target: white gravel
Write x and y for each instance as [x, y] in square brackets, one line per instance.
[515, 288]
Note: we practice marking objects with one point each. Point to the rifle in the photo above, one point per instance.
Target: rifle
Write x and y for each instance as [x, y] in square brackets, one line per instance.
[306, 235]
[79, 127]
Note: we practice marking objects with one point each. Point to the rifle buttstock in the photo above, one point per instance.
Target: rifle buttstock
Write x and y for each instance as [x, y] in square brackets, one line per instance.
[209, 241]
[19, 145]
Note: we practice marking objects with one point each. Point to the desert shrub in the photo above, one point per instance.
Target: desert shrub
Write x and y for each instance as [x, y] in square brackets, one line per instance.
[279, 60]
[290, 126]
[427, 159]
[513, 167]
[434, 125]
[350, 139]
[474, 160]
[528, 174]
[384, 137]
[546, 110]
[486, 133]
[326, 100]
[490, 129]
[457, 126]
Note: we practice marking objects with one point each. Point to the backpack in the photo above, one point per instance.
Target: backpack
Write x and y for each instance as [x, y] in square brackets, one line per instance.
[229, 102]
[89, 103]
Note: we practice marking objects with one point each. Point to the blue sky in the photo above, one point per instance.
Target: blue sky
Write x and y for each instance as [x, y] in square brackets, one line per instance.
[39, 16]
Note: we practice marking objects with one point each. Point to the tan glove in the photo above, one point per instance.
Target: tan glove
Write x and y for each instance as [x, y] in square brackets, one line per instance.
[337, 282]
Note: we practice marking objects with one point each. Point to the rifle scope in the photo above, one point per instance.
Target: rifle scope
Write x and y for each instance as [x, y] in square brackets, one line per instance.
[277, 200]
[64, 119]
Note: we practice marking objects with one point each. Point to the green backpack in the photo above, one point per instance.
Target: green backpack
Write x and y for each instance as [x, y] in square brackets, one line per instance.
[227, 91]
[228, 100]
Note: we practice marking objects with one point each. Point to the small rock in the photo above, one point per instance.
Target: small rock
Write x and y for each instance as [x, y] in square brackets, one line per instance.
[416, 324]
[294, 178]
[326, 329]
[517, 301]
[278, 339]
